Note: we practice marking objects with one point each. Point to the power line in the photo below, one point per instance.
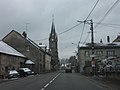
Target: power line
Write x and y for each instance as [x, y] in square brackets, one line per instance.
[81, 34]
[99, 23]
[86, 19]
[69, 29]
[106, 14]
[110, 25]
[86, 38]
[104, 24]
[75, 25]
[92, 10]
[61, 32]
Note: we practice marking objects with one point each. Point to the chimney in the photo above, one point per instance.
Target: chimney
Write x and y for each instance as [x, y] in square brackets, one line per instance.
[108, 39]
[24, 34]
[101, 41]
[40, 43]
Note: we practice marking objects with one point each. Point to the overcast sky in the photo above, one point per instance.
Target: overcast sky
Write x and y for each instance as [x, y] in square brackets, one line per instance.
[38, 13]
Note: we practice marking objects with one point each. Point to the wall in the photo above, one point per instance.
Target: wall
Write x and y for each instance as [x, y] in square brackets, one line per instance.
[28, 48]
[83, 56]
[47, 62]
[9, 62]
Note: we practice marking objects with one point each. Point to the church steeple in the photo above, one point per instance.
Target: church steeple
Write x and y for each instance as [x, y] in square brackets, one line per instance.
[53, 35]
[53, 45]
[53, 26]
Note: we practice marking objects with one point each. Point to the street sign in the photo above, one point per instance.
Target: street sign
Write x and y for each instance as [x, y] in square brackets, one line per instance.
[93, 55]
[93, 63]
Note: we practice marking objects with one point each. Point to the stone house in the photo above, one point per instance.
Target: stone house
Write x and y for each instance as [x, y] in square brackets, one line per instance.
[28, 48]
[101, 51]
[9, 59]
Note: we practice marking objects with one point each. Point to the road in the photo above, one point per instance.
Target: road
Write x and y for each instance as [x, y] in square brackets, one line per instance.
[54, 81]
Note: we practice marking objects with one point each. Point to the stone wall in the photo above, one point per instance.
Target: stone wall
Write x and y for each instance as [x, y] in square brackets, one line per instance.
[8, 62]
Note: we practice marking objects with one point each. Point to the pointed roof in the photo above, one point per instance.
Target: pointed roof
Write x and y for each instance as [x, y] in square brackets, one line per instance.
[53, 26]
[53, 34]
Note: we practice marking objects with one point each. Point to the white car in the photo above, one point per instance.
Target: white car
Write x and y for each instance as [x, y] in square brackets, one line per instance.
[12, 74]
[25, 72]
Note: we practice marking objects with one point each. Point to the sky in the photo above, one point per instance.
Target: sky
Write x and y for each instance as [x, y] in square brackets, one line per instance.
[14, 14]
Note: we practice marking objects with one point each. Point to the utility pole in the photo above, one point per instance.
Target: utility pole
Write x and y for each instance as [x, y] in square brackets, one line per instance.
[93, 63]
[92, 37]
[92, 46]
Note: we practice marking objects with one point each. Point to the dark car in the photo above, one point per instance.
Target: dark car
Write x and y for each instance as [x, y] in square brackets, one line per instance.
[13, 74]
[25, 72]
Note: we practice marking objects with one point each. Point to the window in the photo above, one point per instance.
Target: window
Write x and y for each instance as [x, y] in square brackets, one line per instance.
[99, 52]
[87, 53]
[110, 53]
[40, 57]
[28, 48]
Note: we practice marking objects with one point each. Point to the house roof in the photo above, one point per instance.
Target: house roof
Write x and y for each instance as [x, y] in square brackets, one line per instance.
[101, 45]
[27, 40]
[6, 49]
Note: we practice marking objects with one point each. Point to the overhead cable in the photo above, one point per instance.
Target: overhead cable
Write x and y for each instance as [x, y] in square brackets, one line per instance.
[106, 14]
[61, 32]
[92, 10]
[69, 29]
[86, 19]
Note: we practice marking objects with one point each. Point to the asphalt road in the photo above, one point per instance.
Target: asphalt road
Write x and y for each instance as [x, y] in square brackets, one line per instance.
[54, 81]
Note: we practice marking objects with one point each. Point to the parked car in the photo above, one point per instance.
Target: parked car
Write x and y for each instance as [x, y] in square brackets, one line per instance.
[25, 72]
[12, 74]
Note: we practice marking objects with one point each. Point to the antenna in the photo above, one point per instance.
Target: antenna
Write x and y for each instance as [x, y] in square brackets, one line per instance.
[52, 17]
[26, 25]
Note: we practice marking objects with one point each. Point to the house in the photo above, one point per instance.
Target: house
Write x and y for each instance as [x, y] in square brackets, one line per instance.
[101, 51]
[47, 57]
[10, 59]
[28, 48]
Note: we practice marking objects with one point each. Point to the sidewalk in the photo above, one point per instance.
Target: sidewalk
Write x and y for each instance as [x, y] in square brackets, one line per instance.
[3, 80]
[114, 84]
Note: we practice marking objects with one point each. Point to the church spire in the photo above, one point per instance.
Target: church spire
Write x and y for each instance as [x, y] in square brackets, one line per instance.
[53, 18]
[53, 26]
[53, 46]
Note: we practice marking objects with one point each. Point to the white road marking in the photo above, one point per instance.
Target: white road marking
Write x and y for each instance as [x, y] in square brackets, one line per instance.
[50, 82]
[46, 85]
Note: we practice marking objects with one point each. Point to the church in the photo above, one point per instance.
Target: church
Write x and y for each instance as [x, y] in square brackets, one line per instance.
[53, 47]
